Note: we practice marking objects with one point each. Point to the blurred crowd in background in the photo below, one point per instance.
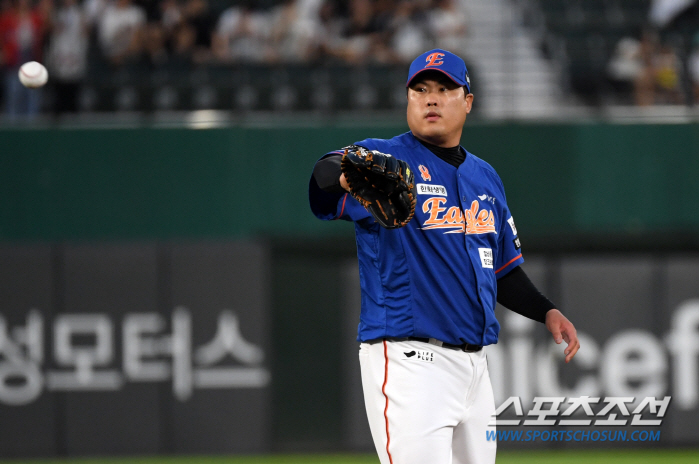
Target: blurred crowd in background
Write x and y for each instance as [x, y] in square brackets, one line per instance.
[77, 37]
[627, 52]
[65, 34]
[652, 70]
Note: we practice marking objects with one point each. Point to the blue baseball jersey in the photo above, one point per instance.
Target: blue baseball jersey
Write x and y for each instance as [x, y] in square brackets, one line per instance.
[437, 276]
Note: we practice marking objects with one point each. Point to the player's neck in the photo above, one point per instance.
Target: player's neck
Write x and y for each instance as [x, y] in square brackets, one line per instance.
[452, 155]
[439, 141]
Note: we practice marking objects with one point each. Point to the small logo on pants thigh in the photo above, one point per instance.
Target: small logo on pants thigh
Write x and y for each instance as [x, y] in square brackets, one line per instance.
[420, 355]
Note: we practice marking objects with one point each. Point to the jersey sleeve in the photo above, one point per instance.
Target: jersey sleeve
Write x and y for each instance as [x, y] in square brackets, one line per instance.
[509, 254]
[330, 206]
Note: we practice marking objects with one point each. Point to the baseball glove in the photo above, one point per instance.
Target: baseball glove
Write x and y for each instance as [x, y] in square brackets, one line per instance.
[383, 184]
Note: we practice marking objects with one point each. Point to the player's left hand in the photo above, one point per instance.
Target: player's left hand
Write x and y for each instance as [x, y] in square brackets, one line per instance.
[563, 330]
[383, 184]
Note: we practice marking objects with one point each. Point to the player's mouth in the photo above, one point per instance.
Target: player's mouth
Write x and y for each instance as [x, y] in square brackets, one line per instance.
[433, 116]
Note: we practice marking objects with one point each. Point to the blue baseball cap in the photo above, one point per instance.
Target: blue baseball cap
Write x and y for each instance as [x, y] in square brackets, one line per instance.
[442, 61]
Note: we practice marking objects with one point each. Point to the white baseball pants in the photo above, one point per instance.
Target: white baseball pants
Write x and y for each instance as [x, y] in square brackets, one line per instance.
[427, 404]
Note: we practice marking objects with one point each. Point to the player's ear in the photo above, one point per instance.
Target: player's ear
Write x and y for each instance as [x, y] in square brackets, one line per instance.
[468, 98]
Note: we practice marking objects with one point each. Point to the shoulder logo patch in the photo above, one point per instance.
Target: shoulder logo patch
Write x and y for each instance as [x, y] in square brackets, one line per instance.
[424, 173]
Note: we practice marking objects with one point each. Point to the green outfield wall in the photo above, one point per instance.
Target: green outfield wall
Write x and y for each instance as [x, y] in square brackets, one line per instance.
[151, 183]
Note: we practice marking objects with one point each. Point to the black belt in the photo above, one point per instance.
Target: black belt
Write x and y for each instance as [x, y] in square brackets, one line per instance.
[467, 347]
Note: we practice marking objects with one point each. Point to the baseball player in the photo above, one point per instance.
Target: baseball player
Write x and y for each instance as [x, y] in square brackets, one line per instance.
[429, 288]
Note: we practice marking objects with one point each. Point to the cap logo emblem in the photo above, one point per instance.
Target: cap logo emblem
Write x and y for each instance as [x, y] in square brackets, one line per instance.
[434, 59]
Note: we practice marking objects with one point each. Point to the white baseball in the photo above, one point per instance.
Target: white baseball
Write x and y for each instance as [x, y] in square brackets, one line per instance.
[33, 74]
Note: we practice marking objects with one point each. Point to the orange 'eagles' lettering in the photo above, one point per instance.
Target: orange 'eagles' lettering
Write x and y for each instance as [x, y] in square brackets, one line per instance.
[472, 221]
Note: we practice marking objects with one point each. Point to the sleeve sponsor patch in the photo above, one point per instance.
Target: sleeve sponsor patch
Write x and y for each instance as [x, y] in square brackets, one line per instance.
[486, 257]
[517, 243]
[511, 222]
[429, 189]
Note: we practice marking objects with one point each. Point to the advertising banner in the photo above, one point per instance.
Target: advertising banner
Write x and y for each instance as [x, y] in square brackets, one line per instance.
[113, 349]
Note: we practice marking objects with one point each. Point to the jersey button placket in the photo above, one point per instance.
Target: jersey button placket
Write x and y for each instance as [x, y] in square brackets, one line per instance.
[463, 207]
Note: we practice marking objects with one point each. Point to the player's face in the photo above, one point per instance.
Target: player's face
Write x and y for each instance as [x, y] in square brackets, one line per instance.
[437, 109]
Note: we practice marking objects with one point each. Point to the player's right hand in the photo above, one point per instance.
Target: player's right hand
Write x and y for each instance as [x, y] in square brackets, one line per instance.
[563, 330]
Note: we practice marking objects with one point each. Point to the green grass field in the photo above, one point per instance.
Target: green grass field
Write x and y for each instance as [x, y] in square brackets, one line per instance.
[639, 456]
